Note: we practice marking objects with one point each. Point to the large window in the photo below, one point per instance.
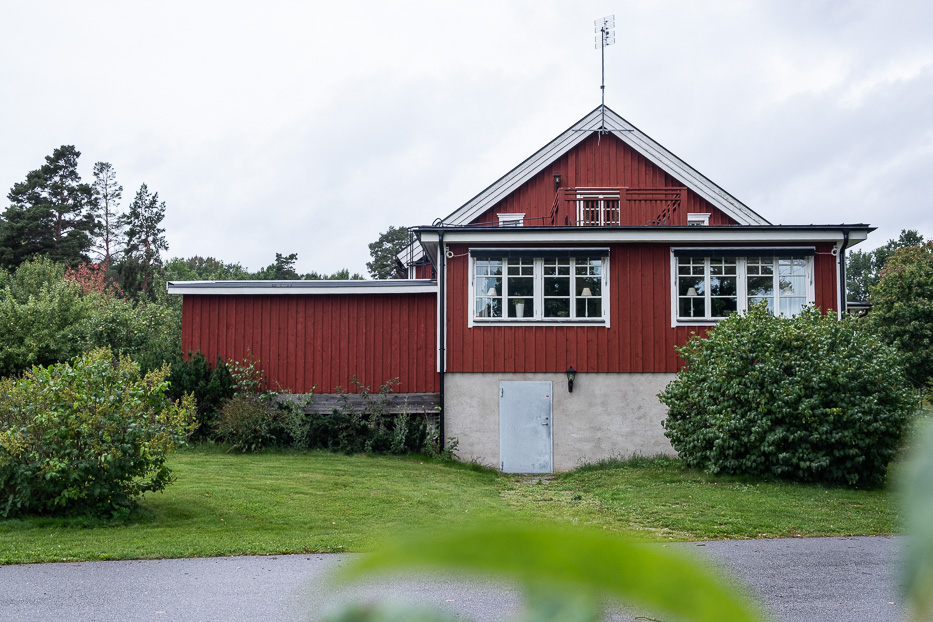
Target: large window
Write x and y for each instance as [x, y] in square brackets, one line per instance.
[710, 288]
[521, 287]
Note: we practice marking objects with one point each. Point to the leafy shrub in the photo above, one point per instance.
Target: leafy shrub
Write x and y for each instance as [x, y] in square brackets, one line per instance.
[41, 317]
[902, 309]
[210, 385]
[806, 398]
[248, 423]
[86, 437]
[48, 316]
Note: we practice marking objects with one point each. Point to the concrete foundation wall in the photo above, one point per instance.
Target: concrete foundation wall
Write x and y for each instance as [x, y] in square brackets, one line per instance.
[606, 416]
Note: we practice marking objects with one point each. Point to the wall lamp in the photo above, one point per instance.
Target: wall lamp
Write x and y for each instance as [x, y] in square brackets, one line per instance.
[571, 375]
[556, 182]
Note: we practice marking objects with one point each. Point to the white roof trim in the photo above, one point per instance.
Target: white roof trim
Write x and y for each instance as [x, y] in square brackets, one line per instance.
[633, 137]
[642, 235]
[303, 288]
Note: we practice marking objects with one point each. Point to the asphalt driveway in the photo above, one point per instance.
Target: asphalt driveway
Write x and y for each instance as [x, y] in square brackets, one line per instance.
[825, 579]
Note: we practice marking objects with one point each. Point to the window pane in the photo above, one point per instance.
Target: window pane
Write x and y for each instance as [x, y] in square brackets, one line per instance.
[489, 286]
[521, 286]
[760, 286]
[521, 307]
[589, 307]
[557, 286]
[488, 307]
[792, 306]
[558, 267]
[488, 267]
[760, 266]
[722, 307]
[793, 285]
[793, 265]
[589, 286]
[694, 266]
[718, 267]
[557, 307]
[722, 286]
[488, 301]
[759, 299]
[684, 285]
[694, 306]
[521, 266]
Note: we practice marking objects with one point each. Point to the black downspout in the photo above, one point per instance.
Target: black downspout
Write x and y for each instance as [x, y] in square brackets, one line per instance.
[842, 272]
[441, 325]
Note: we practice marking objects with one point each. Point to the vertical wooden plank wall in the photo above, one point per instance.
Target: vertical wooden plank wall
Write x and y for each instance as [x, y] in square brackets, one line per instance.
[602, 162]
[305, 340]
[640, 337]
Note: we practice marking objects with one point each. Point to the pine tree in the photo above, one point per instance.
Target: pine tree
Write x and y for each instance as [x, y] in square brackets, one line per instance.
[144, 241]
[51, 213]
[108, 193]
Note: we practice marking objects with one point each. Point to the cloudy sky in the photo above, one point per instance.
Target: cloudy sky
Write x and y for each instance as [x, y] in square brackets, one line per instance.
[311, 127]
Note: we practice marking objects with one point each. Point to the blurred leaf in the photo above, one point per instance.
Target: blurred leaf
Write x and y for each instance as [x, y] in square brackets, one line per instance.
[389, 613]
[918, 502]
[581, 565]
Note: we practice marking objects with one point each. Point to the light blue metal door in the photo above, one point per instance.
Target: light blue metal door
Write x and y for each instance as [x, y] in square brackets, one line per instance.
[525, 439]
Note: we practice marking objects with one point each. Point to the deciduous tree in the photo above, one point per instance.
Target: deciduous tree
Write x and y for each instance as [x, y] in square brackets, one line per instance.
[902, 308]
[863, 268]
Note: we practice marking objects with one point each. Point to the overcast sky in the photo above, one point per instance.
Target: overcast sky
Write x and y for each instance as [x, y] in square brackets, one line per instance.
[311, 127]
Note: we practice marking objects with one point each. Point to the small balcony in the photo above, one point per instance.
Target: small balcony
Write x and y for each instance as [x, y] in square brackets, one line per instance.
[613, 207]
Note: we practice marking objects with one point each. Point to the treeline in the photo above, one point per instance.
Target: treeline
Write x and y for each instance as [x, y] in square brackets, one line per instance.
[79, 272]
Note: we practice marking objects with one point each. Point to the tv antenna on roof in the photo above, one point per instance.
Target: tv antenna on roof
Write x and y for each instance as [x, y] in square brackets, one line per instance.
[605, 35]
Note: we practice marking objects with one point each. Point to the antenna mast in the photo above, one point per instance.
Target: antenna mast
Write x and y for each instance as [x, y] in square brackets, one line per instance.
[605, 35]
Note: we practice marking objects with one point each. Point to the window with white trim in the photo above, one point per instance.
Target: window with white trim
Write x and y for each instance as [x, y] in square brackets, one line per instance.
[521, 287]
[712, 287]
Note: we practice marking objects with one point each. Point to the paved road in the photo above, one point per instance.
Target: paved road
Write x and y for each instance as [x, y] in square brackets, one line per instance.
[814, 579]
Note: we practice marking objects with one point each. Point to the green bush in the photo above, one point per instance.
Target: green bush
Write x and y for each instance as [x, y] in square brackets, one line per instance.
[41, 317]
[806, 398]
[86, 437]
[211, 385]
[48, 317]
[254, 419]
[248, 423]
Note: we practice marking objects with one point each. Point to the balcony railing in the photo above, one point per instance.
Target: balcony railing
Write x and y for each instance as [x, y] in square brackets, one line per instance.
[607, 207]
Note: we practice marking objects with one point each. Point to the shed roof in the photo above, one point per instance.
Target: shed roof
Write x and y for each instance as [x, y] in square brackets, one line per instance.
[322, 287]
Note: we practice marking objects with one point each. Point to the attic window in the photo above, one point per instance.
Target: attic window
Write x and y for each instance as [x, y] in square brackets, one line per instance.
[511, 220]
[698, 220]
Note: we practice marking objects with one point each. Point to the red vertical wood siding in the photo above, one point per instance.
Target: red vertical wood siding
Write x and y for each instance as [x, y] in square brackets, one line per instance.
[601, 162]
[640, 337]
[301, 341]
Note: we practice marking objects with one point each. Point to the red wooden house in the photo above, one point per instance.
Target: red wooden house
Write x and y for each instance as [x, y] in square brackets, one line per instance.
[599, 253]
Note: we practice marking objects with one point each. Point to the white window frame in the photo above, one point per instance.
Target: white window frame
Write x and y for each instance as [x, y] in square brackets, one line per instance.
[538, 318]
[741, 285]
[512, 220]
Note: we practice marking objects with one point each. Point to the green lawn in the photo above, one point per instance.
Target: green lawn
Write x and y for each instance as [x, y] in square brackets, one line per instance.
[290, 502]
[661, 500]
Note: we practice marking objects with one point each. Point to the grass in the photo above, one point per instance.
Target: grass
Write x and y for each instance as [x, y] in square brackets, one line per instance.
[302, 502]
[659, 499]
